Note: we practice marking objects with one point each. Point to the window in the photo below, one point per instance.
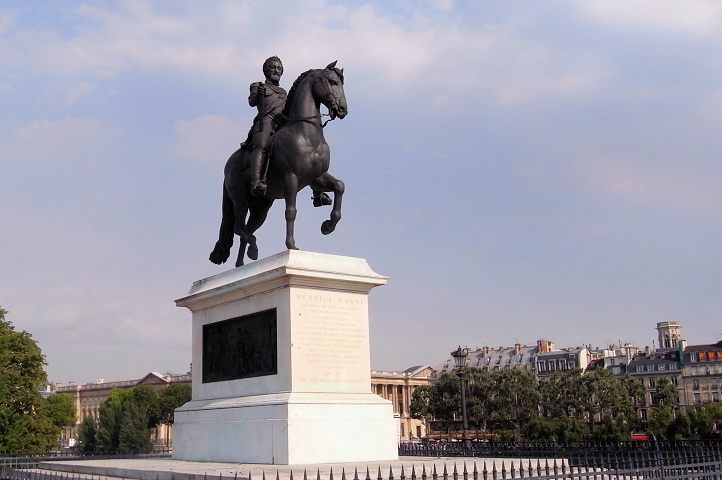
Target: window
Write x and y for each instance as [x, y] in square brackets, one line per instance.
[542, 367]
[562, 364]
[693, 371]
[552, 365]
[713, 384]
[652, 382]
[662, 367]
[715, 397]
[695, 384]
[673, 380]
[697, 398]
[643, 414]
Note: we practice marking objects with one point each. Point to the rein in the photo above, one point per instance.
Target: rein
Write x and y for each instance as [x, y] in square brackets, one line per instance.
[308, 119]
[327, 91]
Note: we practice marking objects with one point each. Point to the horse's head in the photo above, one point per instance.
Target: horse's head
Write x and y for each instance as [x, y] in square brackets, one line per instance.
[328, 88]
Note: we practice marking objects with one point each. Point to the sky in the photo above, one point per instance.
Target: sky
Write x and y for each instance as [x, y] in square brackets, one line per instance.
[519, 170]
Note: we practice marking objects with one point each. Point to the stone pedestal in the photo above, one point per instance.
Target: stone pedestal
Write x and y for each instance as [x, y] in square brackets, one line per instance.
[281, 368]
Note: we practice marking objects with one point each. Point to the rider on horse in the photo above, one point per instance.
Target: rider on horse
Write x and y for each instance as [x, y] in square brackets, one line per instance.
[270, 98]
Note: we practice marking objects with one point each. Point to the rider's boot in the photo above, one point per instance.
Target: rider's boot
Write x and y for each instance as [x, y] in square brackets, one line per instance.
[320, 199]
[258, 183]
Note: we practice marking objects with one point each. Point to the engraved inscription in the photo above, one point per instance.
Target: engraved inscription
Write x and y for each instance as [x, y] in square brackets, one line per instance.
[240, 347]
[332, 336]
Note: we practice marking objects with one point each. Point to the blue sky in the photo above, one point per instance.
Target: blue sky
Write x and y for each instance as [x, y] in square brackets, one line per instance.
[519, 170]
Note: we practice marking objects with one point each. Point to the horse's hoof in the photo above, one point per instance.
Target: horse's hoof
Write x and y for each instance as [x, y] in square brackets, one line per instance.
[253, 252]
[219, 255]
[327, 227]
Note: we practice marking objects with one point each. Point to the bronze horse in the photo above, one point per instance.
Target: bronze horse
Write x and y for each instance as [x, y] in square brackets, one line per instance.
[299, 157]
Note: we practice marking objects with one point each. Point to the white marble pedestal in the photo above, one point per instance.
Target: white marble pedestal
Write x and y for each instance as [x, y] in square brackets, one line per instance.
[290, 383]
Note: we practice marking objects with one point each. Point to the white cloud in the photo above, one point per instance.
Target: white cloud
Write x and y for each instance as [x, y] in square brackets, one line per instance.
[691, 17]
[70, 140]
[680, 188]
[208, 138]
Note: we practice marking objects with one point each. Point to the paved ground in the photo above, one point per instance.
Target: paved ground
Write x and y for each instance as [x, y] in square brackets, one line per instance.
[168, 469]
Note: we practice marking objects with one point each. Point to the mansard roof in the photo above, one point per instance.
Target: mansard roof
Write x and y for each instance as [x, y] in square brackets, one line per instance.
[494, 357]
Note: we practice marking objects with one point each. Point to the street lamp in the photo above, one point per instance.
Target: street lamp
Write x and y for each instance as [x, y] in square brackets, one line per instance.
[460, 355]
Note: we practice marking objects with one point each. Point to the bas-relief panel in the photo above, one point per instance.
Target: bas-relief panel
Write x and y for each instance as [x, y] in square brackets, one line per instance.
[240, 347]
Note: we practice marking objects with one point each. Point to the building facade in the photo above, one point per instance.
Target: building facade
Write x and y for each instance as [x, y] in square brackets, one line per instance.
[396, 387]
[702, 375]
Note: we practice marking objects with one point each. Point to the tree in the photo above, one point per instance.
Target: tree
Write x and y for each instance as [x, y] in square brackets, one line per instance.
[109, 420]
[666, 393]
[563, 394]
[125, 420]
[173, 396]
[515, 399]
[660, 420]
[87, 435]
[61, 410]
[613, 398]
[445, 400]
[479, 396]
[134, 433]
[24, 425]
[537, 428]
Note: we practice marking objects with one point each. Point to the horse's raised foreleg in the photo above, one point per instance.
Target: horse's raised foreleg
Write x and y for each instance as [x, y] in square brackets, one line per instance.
[329, 183]
[290, 194]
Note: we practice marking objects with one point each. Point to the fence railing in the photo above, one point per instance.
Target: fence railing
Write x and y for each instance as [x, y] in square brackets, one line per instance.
[668, 461]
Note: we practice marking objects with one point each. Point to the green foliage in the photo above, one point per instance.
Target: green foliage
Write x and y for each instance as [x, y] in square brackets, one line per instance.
[419, 407]
[134, 433]
[87, 435]
[126, 418]
[568, 429]
[564, 394]
[110, 414]
[515, 399]
[659, 421]
[61, 410]
[612, 429]
[538, 429]
[173, 396]
[24, 422]
[666, 393]
[445, 399]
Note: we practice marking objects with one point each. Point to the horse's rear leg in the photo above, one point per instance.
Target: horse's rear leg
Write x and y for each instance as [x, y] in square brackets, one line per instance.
[256, 216]
[222, 249]
[329, 183]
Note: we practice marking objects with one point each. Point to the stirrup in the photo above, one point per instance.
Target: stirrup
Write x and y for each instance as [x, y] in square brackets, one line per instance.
[259, 188]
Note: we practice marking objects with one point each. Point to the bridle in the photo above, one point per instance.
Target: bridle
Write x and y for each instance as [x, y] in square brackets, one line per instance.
[327, 94]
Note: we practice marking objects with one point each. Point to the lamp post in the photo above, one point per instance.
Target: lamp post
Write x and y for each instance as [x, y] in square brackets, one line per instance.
[460, 355]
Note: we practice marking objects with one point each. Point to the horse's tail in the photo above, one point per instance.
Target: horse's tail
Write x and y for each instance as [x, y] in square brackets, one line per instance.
[222, 250]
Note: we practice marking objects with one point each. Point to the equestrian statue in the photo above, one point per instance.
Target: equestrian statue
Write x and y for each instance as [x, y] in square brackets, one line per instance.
[284, 153]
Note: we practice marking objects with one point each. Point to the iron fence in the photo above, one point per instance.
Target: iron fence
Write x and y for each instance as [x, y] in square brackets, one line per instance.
[673, 461]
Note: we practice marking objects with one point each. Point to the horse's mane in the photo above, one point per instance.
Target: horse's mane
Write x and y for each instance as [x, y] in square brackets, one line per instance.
[292, 91]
